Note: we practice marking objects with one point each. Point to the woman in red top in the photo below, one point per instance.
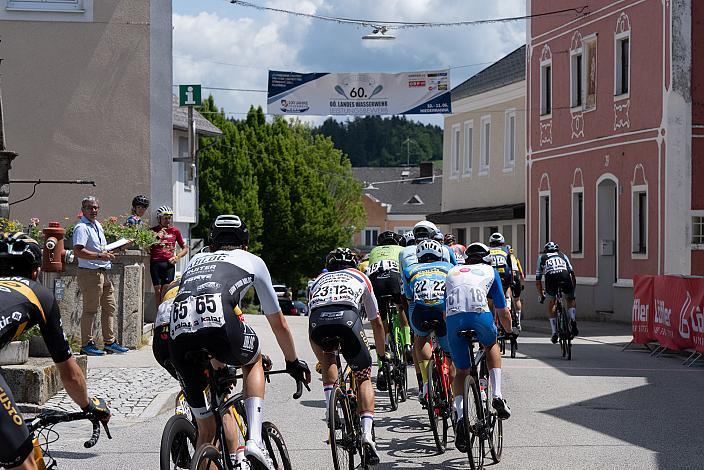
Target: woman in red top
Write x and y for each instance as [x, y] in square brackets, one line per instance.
[162, 254]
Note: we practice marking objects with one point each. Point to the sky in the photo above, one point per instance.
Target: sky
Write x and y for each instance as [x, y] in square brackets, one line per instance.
[218, 44]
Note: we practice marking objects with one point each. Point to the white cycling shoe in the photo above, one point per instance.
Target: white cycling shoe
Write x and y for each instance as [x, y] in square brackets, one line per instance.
[253, 450]
[370, 446]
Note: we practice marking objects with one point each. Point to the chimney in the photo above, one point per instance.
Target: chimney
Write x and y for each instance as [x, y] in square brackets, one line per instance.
[426, 171]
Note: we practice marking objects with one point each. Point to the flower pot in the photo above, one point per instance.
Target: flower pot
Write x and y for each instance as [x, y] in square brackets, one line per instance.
[17, 352]
[37, 347]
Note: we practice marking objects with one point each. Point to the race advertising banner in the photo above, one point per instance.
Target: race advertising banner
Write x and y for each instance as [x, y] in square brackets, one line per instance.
[642, 318]
[325, 94]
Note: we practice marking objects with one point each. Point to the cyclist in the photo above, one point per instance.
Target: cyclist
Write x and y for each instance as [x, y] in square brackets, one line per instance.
[558, 272]
[162, 255]
[385, 277]
[501, 262]
[25, 303]
[140, 204]
[519, 279]
[202, 318]
[336, 299]
[467, 290]
[425, 291]
[457, 249]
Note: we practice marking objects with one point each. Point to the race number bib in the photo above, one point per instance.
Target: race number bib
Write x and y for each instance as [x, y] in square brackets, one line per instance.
[555, 264]
[429, 291]
[383, 265]
[498, 261]
[467, 299]
[196, 312]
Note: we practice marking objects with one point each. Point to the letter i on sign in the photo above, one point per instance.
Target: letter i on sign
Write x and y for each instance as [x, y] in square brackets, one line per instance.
[189, 96]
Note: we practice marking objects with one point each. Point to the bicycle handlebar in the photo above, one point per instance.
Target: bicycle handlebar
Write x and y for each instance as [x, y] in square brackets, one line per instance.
[299, 383]
[49, 418]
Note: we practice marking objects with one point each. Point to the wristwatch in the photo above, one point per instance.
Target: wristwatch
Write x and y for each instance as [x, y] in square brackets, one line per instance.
[98, 256]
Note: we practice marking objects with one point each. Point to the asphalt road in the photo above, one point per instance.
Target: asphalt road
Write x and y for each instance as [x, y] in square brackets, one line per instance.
[604, 409]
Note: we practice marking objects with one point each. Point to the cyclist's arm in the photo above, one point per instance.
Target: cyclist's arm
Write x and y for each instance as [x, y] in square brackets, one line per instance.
[571, 271]
[539, 275]
[453, 258]
[74, 381]
[496, 294]
[372, 308]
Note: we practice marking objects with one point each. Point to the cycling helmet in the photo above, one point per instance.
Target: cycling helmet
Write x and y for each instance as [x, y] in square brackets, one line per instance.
[20, 254]
[551, 247]
[140, 201]
[449, 239]
[388, 238]
[340, 258]
[409, 238]
[477, 253]
[439, 237]
[164, 210]
[424, 229]
[228, 229]
[429, 250]
[496, 239]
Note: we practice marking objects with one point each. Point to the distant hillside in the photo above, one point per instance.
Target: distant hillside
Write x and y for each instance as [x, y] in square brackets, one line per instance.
[377, 141]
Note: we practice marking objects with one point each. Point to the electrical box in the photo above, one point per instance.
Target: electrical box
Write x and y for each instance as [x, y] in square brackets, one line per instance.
[606, 247]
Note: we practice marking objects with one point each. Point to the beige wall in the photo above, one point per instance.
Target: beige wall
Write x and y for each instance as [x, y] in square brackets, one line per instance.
[500, 185]
[76, 98]
[377, 217]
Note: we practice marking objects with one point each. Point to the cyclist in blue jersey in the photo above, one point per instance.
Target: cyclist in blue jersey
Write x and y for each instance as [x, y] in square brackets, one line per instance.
[425, 291]
[468, 289]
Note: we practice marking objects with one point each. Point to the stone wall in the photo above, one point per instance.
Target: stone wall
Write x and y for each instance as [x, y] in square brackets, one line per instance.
[128, 277]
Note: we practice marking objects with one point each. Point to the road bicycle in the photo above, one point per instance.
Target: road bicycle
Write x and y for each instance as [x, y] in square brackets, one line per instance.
[482, 423]
[42, 425]
[344, 427]
[439, 399]
[564, 326]
[395, 370]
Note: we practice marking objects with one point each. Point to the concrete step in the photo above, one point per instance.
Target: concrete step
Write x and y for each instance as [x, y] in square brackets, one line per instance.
[37, 380]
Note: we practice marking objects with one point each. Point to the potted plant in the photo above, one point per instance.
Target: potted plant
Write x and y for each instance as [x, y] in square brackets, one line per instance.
[37, 346]
[17, 352]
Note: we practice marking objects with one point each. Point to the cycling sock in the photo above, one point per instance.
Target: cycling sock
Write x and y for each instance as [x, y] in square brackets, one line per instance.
[573, 313]
[327, 389]
[254, 406]
[519, 314]
[553, 325]
[424, 370]
[459, 408]
[406, 335]
[495, 379]
[367, 419]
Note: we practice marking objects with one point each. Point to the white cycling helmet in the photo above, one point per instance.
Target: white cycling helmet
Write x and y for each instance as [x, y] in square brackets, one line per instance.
[164, 210]
[429, 250]
[424, 229]
[409, 238]
[496, 239]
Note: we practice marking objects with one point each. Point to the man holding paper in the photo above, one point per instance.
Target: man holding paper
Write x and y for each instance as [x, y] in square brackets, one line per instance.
[94, 262]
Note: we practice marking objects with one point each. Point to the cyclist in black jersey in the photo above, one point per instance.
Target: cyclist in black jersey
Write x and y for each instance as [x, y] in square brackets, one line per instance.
[25, 303]
[558, 272]
[203, 318]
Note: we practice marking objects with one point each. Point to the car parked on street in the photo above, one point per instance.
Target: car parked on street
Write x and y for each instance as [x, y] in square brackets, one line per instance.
[287, 307]
[301, 306]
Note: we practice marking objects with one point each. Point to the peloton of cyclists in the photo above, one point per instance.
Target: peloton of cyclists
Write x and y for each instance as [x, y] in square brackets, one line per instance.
[558, 272]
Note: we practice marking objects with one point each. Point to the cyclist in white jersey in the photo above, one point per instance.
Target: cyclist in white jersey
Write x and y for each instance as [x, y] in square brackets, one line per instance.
[466, 306]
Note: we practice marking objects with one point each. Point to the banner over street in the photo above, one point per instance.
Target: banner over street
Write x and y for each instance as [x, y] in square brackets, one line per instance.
[324, 94]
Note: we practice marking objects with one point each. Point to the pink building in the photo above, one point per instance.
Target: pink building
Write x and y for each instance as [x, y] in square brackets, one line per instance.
[615, 149]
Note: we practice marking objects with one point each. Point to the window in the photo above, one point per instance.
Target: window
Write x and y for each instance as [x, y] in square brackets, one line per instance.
[468, 144]
[473, 234]
[370, 235]
[546, 89]
[589, 48]
[577, 220]
[510, 140]
[577, 79]
[461, 236]
[415, 199]
[45, 5]
[485, 145]
[507, 232]
[622, 65]
[639, 225]
[698, 230]
[544, 219]
[402, 230]
[455, 150]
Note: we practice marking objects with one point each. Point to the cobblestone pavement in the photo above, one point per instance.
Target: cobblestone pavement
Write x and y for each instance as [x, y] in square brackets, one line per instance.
[132, 393]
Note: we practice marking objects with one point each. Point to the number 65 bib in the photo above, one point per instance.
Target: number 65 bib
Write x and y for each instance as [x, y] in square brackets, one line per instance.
[196, 312]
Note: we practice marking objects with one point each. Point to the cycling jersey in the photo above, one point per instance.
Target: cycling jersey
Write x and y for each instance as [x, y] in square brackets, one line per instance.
[407, 257]
[383, 258]
[501, 260]
[552, 263]
[458, 250]
[517, 268]
[348, 287]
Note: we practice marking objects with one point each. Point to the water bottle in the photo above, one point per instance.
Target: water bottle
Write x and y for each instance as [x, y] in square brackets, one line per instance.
[482, 388]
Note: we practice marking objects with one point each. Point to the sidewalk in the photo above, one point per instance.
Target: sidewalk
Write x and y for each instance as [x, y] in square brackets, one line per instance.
[617, 334]
[135, 386]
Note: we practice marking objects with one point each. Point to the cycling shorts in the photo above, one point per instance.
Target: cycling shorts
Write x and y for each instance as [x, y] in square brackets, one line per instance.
[14, 435]
[162, 272]
[484, 326]
[234, 343]
[506, 281]
[516, 289]
[563, 280]
[160, 348]
[422, 313]
[328, 323]
[386, 283]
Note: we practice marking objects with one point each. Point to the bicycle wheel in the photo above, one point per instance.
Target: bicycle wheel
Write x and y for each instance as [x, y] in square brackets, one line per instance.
[207, 456]
[494, 426]
[473, 419]
[274, 442]
[341, 431]
[178, 443]
[401, 380]
[433, 406]
[514, 347]
[391, 385]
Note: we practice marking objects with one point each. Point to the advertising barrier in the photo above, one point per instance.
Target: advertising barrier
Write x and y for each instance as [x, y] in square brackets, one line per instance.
[669, 310]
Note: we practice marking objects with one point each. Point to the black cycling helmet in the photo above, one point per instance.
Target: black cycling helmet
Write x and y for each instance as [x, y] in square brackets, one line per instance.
[228, 230]
[140, 201]
[20, 255]
[388, 238]
[449, 239]
[551, 247]
[340, 258]
[477, 253]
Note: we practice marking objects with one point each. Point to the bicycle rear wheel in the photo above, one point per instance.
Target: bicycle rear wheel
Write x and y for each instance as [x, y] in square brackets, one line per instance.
[473, 419]
[274, 442]
[494, 426]
[401, 379]
[391, 385]
[178, 443]
[341, 429]
[514, 347]
[434, 407]
[207, 456]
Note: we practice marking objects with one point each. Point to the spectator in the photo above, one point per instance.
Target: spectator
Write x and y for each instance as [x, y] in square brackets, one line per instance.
[162, 254]
[139, 207]
[94, 262]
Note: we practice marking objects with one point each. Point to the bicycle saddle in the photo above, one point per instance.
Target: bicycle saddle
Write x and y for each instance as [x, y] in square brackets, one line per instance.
[331, 344]
[199, 356]
[471, 334]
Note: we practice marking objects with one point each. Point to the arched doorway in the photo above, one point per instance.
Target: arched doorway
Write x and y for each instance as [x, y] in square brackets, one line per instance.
[607, 242]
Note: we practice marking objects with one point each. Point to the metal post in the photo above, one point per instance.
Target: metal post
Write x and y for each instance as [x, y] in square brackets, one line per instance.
[191, 137]
[6, 157]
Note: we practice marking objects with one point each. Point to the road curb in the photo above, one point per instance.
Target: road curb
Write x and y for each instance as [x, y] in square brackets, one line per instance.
[161, 402]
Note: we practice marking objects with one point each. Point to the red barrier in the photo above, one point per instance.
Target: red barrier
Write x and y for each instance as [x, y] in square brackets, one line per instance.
[668, 309]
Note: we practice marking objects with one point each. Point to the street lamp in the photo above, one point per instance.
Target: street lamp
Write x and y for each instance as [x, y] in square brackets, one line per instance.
[379, 33]
[408, 149]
